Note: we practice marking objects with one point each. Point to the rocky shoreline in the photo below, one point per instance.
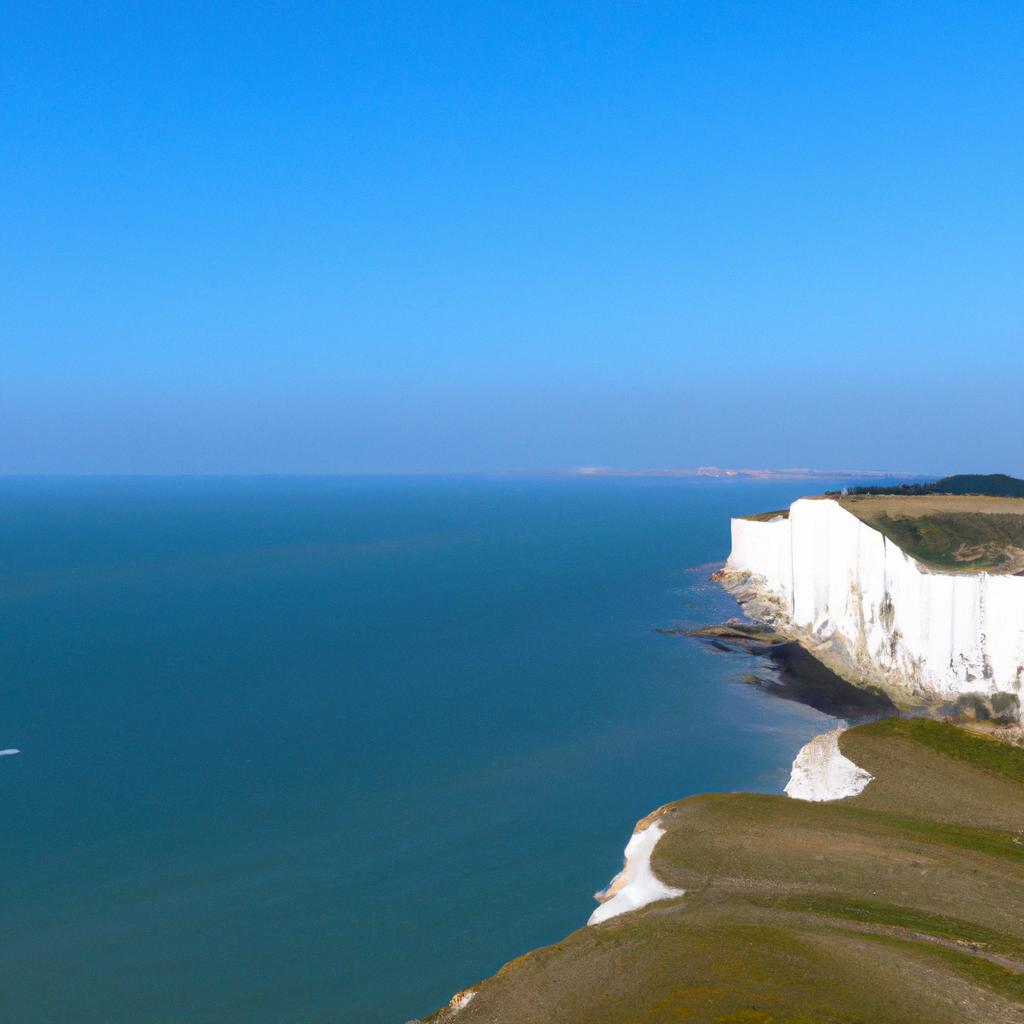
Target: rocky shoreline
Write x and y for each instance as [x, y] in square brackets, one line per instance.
[819, 672]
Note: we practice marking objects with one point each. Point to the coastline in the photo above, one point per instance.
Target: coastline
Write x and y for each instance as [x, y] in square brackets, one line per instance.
[825, 773]
[882, 833]
[906, 897]
[636, 885]
[820, 772]
[516, 704]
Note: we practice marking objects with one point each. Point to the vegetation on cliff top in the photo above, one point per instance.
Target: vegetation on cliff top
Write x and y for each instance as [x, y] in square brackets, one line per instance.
[966, 523]
[767, 517]
[953, 533]
[903, 905]
[995, 485]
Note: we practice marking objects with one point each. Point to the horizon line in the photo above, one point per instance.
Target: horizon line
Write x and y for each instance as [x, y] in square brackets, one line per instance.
[701, 472]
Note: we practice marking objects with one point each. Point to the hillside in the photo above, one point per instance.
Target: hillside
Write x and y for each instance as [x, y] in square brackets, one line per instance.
[953, 533]
[903, 905]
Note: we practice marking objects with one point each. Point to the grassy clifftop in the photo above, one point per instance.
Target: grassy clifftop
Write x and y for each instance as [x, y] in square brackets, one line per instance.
[953, 533]
[903, 905]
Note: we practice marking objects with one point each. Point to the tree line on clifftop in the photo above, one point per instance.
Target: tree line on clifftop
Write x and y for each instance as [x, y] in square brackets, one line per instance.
[993, 485]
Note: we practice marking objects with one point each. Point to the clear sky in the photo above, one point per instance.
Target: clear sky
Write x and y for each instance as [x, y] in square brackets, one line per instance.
[455, 236]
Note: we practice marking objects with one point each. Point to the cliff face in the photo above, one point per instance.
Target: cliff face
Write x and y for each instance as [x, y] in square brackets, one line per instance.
[862, 601]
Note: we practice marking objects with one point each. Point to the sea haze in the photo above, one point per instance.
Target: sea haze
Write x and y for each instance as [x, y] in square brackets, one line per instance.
[327, 750]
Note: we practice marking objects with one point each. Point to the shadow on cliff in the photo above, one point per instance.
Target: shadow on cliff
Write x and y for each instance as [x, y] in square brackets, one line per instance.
[795, 674]
[786, 670]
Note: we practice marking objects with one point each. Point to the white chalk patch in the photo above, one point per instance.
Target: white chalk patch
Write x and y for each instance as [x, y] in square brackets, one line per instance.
[820, 771]
[9, 751]
[461, 1000]
[636, 884]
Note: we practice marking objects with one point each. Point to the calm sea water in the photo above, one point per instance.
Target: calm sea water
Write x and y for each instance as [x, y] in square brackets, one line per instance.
[329, 750]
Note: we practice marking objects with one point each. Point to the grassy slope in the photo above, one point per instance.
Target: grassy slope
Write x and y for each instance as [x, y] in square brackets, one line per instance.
[904, 904]
[954, 534]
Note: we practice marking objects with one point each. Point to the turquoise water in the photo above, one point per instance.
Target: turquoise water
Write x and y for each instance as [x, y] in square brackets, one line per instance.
[329, 750]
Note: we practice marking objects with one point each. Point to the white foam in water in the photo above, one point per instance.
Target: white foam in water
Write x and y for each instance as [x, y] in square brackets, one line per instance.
[9, 751]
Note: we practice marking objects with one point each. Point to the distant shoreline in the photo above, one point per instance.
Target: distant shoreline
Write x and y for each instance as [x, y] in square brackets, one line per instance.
[719, 473]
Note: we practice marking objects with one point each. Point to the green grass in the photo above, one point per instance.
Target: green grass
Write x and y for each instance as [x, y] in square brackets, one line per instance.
[891, 915]
[764, 517]
[952, 532]
[966, 837]
[978, 970]
[958, 540]
[980, 752]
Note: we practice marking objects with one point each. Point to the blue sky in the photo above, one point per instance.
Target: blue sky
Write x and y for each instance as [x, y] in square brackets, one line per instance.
[458, 236]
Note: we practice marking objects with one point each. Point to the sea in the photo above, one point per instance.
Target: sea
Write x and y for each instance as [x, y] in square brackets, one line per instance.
[328, 750]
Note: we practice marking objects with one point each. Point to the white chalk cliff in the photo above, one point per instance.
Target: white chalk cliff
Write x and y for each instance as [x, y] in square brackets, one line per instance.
[863, 604]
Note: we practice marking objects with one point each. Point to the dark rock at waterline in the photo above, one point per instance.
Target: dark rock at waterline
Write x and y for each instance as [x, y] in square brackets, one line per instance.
[750, 635]
[792, 673]
[797, 675]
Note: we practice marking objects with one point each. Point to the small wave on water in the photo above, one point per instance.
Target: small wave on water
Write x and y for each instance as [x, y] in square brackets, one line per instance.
[9, 751]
